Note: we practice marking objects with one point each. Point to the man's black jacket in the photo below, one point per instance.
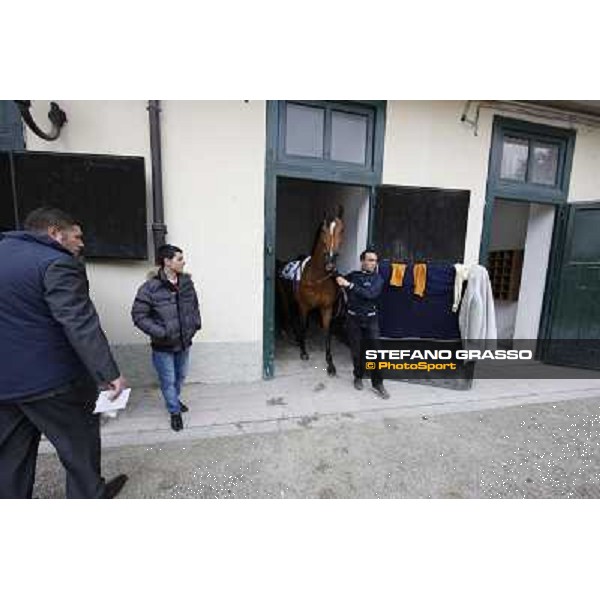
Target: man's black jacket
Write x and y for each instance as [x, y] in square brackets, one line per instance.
[50, 333]
[363, 293]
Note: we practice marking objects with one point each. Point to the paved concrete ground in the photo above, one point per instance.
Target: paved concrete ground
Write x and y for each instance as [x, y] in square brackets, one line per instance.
[306, 435]
[534, 451]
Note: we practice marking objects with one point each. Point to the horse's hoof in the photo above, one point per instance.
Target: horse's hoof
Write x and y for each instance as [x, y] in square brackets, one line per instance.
[331, 370]
[304, 356]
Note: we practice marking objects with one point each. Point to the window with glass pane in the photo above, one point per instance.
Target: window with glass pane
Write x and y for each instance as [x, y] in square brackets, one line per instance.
[515, 152]
[304, 126]
[348, 137]
[545, 163]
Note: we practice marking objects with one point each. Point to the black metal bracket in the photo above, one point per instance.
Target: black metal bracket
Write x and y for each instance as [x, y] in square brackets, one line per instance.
[56, 115]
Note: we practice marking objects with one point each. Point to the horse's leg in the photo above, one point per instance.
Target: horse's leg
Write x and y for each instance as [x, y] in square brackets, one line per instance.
[326, 314]
[302, 327]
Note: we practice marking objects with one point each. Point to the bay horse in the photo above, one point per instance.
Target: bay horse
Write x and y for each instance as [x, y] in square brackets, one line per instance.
[317, 288]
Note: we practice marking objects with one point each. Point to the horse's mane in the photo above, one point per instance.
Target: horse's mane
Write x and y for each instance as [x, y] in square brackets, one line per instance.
[316, 239]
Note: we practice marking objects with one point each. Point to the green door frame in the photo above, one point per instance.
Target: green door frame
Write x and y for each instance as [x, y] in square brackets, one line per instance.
[499, 189]
[276, 167]
[11, 127]
[563, 235]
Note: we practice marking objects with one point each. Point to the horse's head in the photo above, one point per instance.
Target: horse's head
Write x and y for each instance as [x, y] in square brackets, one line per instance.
[332, 234]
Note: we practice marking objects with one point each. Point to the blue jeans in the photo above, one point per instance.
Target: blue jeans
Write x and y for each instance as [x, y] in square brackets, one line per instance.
[171, 368]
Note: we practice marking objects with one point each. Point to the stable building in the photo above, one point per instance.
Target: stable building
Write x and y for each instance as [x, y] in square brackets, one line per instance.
[514, 186]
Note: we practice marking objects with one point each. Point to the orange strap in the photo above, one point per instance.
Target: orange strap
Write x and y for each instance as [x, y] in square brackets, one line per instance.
[397, 274]
[420, 278]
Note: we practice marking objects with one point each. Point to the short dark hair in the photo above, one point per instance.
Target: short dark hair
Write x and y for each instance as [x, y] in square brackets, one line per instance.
[166, 251]
[368, 251]
[46, 216]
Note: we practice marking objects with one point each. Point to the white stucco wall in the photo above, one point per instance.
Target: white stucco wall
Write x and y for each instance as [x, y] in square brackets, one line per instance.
[214, 162]
[213, 181]
[585, 173]
[427, 145]
[535, 266]
[101, 127]
[509, 231]
[213, 165]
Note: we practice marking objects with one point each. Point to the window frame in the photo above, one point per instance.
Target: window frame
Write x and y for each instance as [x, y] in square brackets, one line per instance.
[534, 134]
[326, 162]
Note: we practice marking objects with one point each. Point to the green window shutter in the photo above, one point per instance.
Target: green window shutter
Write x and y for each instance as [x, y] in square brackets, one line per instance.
[11, 128]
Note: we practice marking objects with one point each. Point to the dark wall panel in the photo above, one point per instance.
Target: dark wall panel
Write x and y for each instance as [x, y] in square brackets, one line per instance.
[107, 194]
[7, 210]
[414, 224]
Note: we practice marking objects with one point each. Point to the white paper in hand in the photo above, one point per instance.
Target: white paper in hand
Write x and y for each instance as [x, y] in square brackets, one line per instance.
[104, 403]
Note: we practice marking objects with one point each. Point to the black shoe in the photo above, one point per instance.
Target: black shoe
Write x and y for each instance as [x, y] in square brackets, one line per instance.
[380, 391]
[176, 422]
[183, 408]
[115, 485]
[358, 383]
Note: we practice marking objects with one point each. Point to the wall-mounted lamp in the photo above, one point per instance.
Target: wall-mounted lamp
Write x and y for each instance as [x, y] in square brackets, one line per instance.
[56, 115]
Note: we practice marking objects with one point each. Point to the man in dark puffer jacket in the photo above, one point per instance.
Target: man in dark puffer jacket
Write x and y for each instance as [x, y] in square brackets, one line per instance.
[53, 354]
[166, 308]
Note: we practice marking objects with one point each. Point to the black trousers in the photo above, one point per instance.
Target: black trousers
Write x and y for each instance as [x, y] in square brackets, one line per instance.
[358, 329]
[67, 420]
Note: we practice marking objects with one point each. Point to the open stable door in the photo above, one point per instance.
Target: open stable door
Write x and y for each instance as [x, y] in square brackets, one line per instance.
[573, 332]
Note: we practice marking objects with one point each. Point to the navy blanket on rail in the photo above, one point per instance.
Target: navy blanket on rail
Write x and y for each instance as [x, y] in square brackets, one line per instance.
[403, 314]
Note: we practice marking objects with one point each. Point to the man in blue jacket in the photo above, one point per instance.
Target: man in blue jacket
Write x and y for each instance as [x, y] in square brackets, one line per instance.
[363, 289]
[53, 355]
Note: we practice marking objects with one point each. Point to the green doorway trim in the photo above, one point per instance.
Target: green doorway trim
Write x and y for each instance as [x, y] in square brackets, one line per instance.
[11, 127]
[276, 167]
[502, 189]
[573, 311]
[499, 189]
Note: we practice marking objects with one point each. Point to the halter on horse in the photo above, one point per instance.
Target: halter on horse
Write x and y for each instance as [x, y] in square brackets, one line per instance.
[317, 288]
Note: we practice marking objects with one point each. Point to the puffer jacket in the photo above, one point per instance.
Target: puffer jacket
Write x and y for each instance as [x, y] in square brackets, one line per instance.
[169, 314]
